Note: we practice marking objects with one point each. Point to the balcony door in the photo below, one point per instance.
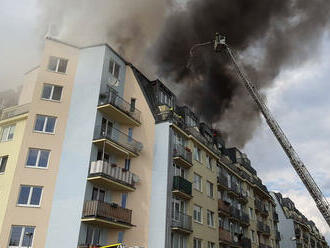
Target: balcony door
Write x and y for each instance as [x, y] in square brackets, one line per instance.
[103, 156]
[178, 207]
[179, 171]
[106, 127]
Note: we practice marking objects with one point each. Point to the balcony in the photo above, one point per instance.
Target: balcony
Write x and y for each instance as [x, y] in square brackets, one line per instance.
[234, 190]
[245, 219]
[246, 243]
[182, 188]
[223, 181]
[182, 223]
[264, 229]
[182, 156]
[224, 207]
[260, 207]
[115, 178]
[243, 197]
[224, 236]
[278, 236]
[14, 111]
[113, 105]
[275, 217]
[234, 213]
[106, 215]
[117, 142]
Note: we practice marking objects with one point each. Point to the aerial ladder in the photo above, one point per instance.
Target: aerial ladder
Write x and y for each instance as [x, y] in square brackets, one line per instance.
[321, 202]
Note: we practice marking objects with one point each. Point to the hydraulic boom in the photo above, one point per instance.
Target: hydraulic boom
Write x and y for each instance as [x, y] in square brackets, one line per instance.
[320, 200]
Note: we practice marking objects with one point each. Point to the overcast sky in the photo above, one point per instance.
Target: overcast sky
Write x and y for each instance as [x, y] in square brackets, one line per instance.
[299, 100]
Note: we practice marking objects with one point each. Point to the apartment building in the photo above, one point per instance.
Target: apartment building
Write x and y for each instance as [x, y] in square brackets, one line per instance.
[96, 153]
[247, 213]
[296, 230]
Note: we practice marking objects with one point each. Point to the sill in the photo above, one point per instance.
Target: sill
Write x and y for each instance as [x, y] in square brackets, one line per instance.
[27, 206]
[35, 131]
[3, 141]
[200, 191]
[57, 72]
[2, 173]
[36, 167]
[212, 227]
[50, 100]
[196, 221]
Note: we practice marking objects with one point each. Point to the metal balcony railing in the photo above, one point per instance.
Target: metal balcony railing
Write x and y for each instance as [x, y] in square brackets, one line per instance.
[14, 111]
[180, 151]
[114, 173]
[224, 235]
[115, 100]
[103, 210]
[119, 138]
[181, 220]
[260, 206]
[182, 185]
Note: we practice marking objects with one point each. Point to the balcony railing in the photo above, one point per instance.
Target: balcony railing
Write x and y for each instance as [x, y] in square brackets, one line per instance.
[114, 173]
[182, 185]
[265, 229]
[115, 100]
[224, 235]
[14, 111]
[110, 212]
[246, 243]
[260, 207]
[224, 207]
[182, 221]
[234, 189]
[223, 180]
[235, 213]
[182, 152]
[245, 218]
[119, 138]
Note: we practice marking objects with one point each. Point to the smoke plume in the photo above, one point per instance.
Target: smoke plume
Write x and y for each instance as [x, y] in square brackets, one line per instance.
[269, 36]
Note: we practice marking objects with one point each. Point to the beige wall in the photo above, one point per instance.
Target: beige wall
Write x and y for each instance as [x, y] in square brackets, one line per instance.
[10, 149]
[39, 217]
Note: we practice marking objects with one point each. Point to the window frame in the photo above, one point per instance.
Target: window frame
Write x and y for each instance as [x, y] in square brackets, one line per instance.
[197, 154]
[210, 244]
[209, 189]
[113, 69]
[30, 196]
[200, 189]
[51, 92]
[1, 166]
[199, 244]
[58, 61]
[210, 221]
[209, 162]
[21, 239]
[200, 213]
[45, 124]
[36, 166]
[11, 129]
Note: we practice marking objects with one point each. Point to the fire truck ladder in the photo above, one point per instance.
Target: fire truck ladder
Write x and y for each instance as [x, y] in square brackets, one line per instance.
[320, 200]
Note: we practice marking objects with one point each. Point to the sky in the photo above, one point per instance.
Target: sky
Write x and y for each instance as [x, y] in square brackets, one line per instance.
[298, 100]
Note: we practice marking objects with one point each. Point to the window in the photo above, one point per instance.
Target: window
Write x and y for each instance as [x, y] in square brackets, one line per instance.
[114, 68]
[57, 64]
[179, 171]
[178, 241]
[52, 92]
[30, 196]
[21, 236]
[133, 103]
[252, 236]
[7, 133]
[210, 218]
[251, 213]
[208, 162]
[209, 189]
[130, 134]
[3, 163]
[93, 235]
[197, 243]
[38, 158]
[127, 164]
[45, 124]
[210, 245]
[197, 154]
[198, 213]
[197, 182]
[98, 194]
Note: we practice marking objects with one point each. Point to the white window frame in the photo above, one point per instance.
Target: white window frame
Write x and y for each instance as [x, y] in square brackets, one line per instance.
[22, 236]
[38, 158]
[58, 64]
[30, 196]
[11, 129]
[112, 72]
[210, 218]
[45, 124]
[210, 244]
[197, 154]
[209, 189]
[199, 210]
[51, 92]
[209, 162]
[199, 243]
[200, 182]
[1, 158]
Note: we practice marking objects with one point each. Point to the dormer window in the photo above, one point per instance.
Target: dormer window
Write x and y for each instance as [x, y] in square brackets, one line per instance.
[165, 99]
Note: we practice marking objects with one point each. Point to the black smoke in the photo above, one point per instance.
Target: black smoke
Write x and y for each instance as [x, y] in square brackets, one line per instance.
[269, 36]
